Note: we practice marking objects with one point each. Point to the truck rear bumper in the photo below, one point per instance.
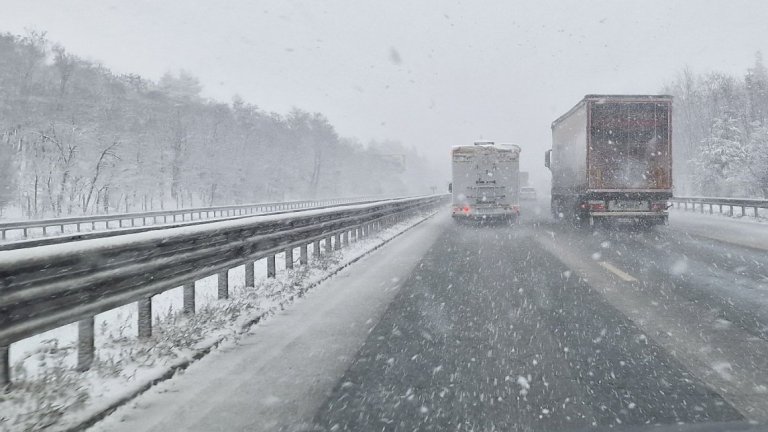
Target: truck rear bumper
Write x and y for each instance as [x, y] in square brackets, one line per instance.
[486, 215]
[474, 212]
[629, 214]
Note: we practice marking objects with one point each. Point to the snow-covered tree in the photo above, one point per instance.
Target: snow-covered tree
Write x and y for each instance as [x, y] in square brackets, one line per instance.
[79, 139]
[721, 157]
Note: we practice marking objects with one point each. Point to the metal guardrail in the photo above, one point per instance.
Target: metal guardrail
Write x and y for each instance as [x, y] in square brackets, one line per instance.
[154, 216]
[51, 286]
[66, 238]
[744, 203]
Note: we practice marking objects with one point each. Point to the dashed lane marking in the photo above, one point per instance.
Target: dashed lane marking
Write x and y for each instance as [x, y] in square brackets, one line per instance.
[626, 277]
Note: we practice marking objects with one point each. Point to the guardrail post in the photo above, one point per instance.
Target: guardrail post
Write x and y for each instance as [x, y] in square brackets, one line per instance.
[289, 258]
[189, 299]
[328, 244]
[730, 210]
[303, 255]
[250, 277]
[271, 270]
[316, 249]
[337, 242]
[86, 349]
[223, 278]
[345, 238]
[145, 317]
[756, 214]
[710, 208]
[5, 367]
[701, 207]
[743, 211]
[45, 231]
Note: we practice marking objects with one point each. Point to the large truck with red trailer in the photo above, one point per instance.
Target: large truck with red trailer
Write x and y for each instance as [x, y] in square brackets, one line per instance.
[611, 159]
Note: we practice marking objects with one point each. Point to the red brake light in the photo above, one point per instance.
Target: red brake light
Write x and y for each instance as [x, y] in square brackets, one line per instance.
[593, 205]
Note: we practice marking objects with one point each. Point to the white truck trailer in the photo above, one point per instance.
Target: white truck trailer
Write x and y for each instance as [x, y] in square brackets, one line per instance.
[486, 181]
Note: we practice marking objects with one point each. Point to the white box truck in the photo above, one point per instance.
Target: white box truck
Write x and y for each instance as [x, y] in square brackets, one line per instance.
[486, 181]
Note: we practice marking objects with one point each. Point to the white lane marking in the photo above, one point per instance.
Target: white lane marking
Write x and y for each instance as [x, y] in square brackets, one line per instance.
[626, 277]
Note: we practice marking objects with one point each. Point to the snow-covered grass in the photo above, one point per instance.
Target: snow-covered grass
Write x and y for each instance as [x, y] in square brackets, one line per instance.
[48, 393]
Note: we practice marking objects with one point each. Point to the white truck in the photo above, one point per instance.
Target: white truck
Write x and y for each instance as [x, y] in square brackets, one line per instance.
[486, 181]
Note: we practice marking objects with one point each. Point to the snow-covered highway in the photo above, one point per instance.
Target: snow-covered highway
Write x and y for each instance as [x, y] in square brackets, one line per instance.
[530, 327]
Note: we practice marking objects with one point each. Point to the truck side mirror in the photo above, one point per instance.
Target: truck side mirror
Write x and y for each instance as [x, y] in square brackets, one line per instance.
[450, 187]
[548, 158]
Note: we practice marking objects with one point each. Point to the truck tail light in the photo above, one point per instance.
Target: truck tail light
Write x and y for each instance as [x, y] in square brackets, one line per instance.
[593, 205]
[659, 206]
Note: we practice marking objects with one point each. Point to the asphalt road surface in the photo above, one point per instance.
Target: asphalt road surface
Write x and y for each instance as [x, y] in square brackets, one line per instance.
[533, 327]
[492, 333]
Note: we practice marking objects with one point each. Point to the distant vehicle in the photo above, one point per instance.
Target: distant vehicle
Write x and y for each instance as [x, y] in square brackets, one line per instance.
[611, 158]
[485, 181]
[523, 179]
[527, 193]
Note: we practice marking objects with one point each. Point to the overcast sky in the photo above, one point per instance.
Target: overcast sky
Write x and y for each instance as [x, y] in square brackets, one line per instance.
[428, 73]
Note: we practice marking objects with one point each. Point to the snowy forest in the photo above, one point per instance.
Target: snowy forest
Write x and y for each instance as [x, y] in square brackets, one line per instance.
[720, 133]
[76, 138]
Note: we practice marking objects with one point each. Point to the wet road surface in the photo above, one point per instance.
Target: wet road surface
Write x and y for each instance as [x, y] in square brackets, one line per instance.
[491, 332]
